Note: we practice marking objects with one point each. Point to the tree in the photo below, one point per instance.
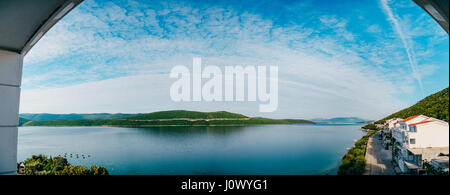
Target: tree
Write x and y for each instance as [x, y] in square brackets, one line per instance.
[98, 170]
[43, 165]
[431, 170]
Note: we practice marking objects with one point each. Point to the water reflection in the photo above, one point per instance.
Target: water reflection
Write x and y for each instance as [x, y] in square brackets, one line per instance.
[259, 149]
[191, 130]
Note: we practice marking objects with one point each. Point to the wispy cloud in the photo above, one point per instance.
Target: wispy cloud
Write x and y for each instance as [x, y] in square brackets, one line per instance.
[338, 25]
[408, 44]
[374, 28]
[114, 57]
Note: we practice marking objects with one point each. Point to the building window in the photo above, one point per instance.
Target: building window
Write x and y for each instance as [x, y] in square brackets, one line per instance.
[412, 128]
[412, 141]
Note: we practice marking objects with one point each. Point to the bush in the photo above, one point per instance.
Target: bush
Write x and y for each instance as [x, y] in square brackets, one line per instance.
[43, 165]
[371, 127]
[73, 170]
[98, 170]
[431, 170]
[354, 162]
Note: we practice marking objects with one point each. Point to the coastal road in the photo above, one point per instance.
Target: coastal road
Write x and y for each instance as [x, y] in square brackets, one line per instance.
[378, 160]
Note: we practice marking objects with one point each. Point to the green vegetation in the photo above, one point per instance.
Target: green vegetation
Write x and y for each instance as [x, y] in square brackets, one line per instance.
[66, 122]
[435, 105]
[172, 118]
[298, 121]
[43, 165]
[354, 162]
[173, 114]
[431, 170]
[97, 116]
[371, 126]
[22, 121]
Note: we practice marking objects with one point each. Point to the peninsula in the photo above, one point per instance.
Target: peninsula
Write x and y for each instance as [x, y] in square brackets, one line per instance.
[169, 118]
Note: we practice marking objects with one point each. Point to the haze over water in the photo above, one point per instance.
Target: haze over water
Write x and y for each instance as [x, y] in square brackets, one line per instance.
[265, 149]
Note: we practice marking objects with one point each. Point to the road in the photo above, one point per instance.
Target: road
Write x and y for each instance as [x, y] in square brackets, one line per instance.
[378, 160]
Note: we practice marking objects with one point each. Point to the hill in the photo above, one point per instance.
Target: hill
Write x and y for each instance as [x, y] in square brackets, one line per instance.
[298, 121]
[435, 105]
[98, 116]
[171, 118]
[22, 121]
[173, 114]
[340, 120]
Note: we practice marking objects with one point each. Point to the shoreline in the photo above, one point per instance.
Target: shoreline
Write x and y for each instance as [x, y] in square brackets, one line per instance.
[224, 125]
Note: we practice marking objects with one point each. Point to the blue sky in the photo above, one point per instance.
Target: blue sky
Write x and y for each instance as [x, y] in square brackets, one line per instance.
[336, 58]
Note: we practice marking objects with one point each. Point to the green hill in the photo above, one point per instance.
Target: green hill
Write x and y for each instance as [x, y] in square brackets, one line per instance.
[173, 114]
[22, 121]
[435, 105]
[298, 121]
[171, 118]
[96, 116]
[65, 122]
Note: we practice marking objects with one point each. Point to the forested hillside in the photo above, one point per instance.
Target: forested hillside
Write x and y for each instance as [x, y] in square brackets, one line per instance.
[435, 105]
[171, 118]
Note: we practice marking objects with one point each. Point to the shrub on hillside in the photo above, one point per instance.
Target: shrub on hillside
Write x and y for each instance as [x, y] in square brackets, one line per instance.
[354, 162]
[371, 127]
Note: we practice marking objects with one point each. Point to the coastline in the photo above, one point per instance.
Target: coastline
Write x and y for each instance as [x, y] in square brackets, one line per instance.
[354, 161]
[210, 125]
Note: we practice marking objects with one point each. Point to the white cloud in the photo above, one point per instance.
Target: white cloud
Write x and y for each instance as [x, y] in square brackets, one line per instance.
[407, 42]
[321, 75]
[374, 28]
[338, 25]
[149, 93]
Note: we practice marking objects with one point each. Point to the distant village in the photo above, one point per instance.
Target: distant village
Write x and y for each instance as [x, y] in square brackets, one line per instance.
[417, 143]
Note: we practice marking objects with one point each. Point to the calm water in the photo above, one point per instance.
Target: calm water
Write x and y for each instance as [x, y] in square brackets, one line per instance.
[270, 149]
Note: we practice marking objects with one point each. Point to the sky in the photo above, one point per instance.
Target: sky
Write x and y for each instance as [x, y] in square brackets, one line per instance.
[342, 58]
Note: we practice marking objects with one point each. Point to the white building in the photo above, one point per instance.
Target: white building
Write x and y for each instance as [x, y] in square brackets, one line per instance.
[386, 131]
[390, 124]
[429, 133]
[400, 129]
[419, 138]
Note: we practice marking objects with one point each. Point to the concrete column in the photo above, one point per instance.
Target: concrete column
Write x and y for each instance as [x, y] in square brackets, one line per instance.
[10, 79]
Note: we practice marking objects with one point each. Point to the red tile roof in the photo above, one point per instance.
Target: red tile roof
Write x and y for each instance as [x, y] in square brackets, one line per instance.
[422, 122]
[409, 118]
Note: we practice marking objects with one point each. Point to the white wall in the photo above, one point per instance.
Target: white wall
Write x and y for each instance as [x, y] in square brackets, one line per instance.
[9, 105]
[10, 79]
[414, 120]
[10, 68]
[434, 134]
[8, 150]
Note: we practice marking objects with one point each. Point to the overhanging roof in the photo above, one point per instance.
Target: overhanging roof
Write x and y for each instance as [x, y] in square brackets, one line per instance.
[438, 9]
[24, 22]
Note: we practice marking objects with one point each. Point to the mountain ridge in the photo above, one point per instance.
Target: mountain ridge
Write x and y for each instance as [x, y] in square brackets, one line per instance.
[339, 120]
[171, 118]
[92, 116]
